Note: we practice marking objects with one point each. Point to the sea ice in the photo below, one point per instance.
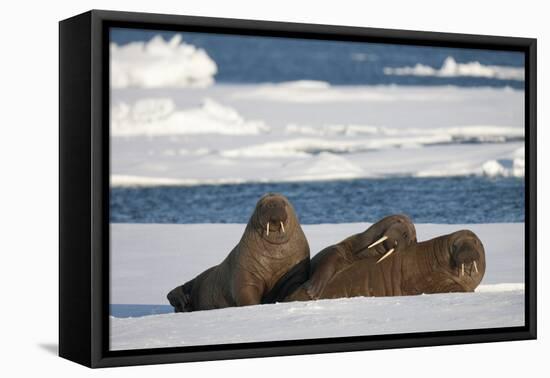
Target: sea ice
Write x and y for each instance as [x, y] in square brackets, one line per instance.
[149, 260]
[235, 134]
[160, 63]
[451, 68]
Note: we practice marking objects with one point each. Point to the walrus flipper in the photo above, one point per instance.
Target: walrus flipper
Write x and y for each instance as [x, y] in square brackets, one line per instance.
[180, 297]
[289, 282]
[325, 266]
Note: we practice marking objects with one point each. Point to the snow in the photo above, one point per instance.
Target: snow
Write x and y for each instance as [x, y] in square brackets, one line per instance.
[320, 319]
[312, 92]
[166, 163]
[160, 63]
[506, 167]
[451, 68]
[282, 132]
[159, 116]
[479, 133]
[147, 260]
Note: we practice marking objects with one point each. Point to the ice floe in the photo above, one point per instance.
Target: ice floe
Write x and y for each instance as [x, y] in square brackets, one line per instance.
[159, 116]
[451, 68]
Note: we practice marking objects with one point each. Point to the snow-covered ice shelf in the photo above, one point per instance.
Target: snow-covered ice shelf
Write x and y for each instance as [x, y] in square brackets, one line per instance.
[324, 318]
[149, 260]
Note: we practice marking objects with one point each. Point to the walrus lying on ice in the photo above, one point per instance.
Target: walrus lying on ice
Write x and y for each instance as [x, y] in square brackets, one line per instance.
[395, 264]
[392, 233]
[270, 261]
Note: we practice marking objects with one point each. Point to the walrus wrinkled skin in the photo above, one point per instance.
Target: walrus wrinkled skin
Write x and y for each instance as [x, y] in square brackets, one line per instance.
[392, 233]
[445, 264]
[270, 261]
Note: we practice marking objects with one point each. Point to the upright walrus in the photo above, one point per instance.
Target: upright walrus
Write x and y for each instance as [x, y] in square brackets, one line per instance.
[448, 263]
[270, 261]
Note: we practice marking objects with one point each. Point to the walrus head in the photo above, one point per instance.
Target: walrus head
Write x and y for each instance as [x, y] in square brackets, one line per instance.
[274, 218]
[392, 234]
[467, 253]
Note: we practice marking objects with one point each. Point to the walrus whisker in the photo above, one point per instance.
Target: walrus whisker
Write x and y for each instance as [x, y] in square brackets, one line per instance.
[378, 241]
[267, 229]
[282, 227]
[475, 267]
[386, 255]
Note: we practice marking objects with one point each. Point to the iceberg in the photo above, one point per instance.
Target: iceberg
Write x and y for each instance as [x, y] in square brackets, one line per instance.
[159, 63]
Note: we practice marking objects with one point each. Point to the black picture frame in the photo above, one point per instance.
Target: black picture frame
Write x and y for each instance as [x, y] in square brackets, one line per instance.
[84, 188]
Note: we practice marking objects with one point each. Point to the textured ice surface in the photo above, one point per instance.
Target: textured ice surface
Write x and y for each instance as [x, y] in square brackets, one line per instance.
[149, 260]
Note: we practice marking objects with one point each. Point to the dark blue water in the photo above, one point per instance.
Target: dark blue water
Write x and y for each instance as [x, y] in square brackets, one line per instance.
[427, 200]
[249, 59]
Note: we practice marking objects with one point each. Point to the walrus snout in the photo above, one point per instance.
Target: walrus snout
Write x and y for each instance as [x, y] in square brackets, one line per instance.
[467, 252]
[273, 214]
[392, 234]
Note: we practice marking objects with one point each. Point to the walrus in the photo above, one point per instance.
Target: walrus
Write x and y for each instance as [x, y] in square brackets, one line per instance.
[270, 261]
[390, 234]
[445, 264]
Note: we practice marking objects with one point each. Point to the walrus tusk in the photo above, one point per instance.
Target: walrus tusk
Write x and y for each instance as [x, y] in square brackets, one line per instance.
[282, 227]
[386, 255]
[267, 228]
[378, 241]
[462, 269]
[475, 267]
